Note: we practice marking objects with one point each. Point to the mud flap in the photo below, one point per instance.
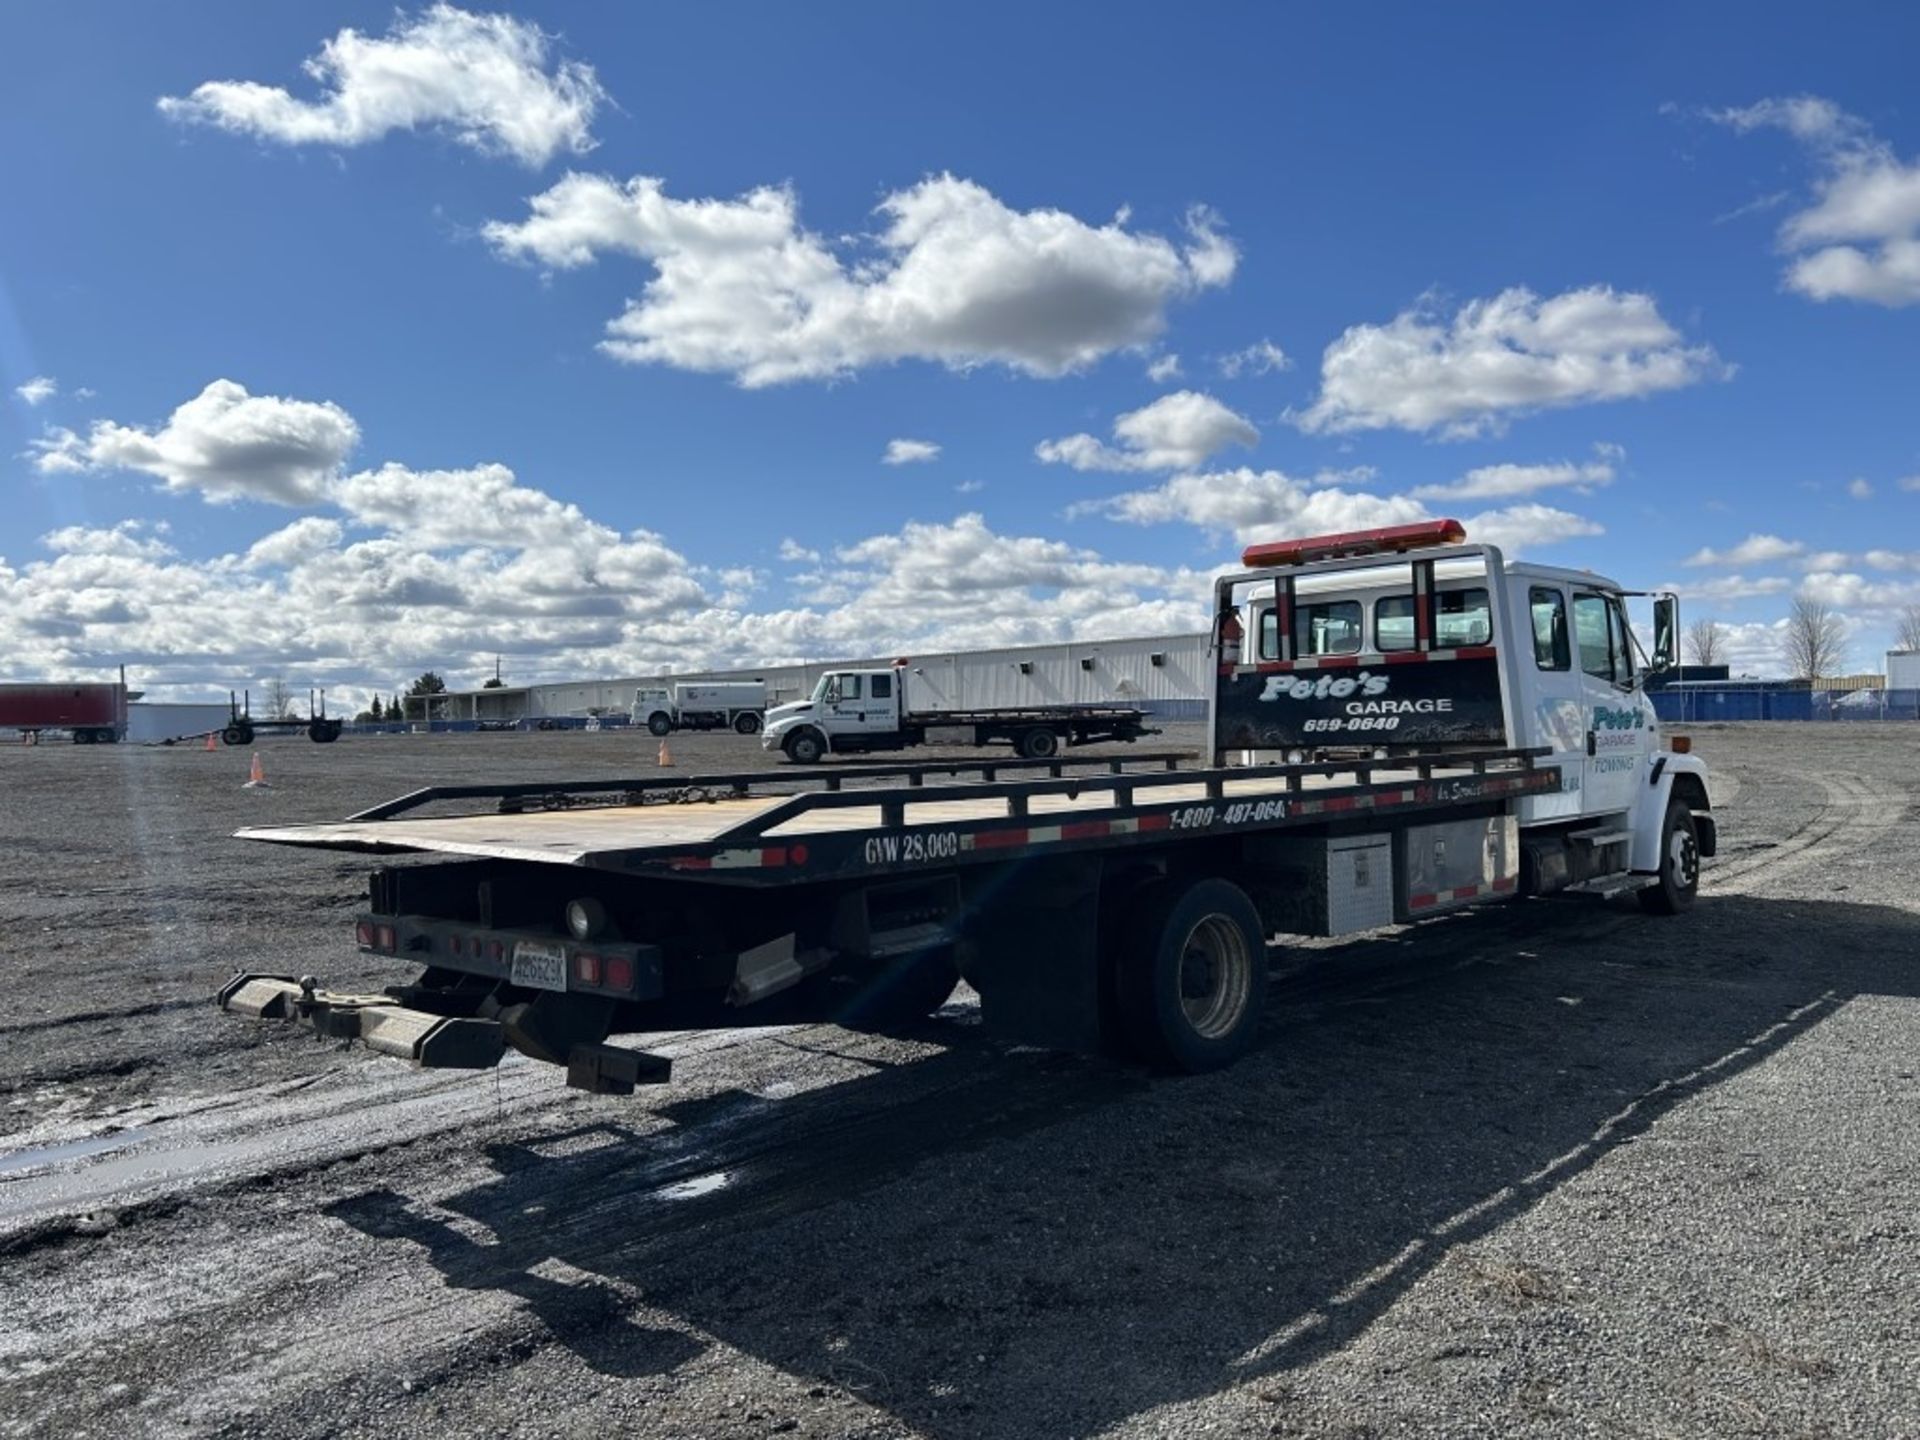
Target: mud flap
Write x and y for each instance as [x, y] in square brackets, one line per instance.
[1031, 949]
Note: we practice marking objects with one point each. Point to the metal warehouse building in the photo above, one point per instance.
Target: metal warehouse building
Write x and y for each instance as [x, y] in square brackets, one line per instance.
[1163, 674]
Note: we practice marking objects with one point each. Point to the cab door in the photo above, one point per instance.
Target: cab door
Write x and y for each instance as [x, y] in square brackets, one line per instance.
[1550, 697]
[1619, 728]
[861, 703]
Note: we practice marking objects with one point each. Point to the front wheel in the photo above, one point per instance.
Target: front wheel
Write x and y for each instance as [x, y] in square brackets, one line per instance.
[236, 735]
[1679, 880]
[658, 724]
[805, 747]
[748, 724]
[1192, 978]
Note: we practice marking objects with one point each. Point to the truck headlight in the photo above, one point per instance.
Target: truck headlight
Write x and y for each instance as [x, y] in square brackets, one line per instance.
[586, 918]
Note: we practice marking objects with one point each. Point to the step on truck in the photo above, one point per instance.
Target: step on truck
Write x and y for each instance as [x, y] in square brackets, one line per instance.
[737, 705]
[852, 712]
[1401, 725]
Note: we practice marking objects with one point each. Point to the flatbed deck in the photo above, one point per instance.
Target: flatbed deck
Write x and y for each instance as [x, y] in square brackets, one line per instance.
[716, 827]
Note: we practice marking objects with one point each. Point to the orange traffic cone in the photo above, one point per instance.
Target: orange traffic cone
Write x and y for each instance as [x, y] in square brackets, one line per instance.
[666, 755]
[257, 775]
[210, 744]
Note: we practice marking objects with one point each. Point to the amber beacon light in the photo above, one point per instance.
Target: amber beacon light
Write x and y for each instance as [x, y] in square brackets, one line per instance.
[1388, 540]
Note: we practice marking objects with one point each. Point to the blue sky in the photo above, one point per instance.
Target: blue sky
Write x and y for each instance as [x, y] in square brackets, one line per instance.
[320, 384]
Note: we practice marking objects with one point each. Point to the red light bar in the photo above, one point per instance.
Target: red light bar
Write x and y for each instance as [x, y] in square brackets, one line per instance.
[1391, 539]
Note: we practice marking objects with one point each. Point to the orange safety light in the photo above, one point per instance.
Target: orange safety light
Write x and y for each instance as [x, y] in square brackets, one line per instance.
[1680, 744]
[1390, 539]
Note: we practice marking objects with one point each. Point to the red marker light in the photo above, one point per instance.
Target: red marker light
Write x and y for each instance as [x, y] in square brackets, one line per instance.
[363, 934]
[383, 937]
[619, 972]
[1389, 540]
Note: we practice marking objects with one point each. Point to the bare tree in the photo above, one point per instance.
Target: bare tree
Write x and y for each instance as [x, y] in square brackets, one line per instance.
[1907, 628]
[1705, 642]
[1816, 640]
[278, 700]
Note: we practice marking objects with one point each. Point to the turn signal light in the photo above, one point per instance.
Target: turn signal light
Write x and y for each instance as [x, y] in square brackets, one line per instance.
[363, 934]
[619, 972]
[1680, 744]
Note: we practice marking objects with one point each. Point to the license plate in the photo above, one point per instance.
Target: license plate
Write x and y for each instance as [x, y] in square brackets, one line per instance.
[539, 966]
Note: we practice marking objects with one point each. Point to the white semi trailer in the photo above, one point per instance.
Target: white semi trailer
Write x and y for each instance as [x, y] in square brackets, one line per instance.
[1402, 725]
[739, 705]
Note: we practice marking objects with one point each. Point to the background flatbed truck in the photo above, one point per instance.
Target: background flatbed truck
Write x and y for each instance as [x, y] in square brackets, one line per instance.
[1120, 905]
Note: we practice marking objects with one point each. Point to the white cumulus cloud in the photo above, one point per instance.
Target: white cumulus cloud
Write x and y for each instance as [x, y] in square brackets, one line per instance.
[489, 81]
[1262, 357]
[1860, 239]
[224, 443]
[1249, 504]
[954, 276]
[1163, 369]
[1499, 357]
[1176, 432]
[1495, 482]
[910, 452]
[1754, 550]
[37, 390]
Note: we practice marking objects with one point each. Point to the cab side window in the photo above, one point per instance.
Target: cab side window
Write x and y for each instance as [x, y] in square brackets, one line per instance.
[1551, 650]
[1593, 628]
[850, 687]
[883, 687]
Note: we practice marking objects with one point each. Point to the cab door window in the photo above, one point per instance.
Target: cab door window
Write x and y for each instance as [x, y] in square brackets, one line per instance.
[1594, 623]
[883, 687]
[850, 686]
[1549, 610]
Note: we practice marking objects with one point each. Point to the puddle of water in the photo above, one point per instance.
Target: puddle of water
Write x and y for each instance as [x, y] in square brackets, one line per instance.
[698, 1186]
[35, 1156]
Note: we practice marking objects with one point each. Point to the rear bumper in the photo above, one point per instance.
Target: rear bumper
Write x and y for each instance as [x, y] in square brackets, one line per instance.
[435, 1042]
[488, 953]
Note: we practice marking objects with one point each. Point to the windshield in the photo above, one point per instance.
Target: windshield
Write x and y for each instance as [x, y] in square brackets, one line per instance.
[820, 694]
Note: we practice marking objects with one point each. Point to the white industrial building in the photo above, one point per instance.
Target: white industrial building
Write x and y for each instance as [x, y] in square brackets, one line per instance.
[1163, 674]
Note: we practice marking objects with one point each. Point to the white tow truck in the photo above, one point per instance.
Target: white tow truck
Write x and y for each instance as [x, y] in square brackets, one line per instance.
[1401, 725]
[852, 712]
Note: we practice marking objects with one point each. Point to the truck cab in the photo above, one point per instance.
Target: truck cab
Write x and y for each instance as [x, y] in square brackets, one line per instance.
[1407, 639]
[849, 710]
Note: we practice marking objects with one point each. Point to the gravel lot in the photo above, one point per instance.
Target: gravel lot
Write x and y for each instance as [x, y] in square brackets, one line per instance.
[1549, 1169]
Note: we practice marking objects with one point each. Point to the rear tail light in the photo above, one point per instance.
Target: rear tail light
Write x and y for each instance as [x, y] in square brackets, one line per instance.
[586, 968]
[363, 934]
[496, 950]
[455, 944]
[619, 972]
[383, 938]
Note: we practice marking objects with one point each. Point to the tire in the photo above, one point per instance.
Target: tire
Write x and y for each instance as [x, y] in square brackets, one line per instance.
[747, 724]
[83, 737]
[1037, 744]
[1191, 984]
[659, 724]
[323, 732]
[1679, 880]
[805, 747]
[894, 994]
[236, 735]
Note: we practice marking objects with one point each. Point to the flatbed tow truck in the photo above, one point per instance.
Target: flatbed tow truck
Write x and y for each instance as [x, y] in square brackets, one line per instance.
[1401, 725]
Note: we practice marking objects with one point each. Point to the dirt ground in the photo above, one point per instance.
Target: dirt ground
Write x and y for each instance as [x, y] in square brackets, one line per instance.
[1540, 1170]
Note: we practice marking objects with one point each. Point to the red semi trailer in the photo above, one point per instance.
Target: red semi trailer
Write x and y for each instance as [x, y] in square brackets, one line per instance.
[94, 714]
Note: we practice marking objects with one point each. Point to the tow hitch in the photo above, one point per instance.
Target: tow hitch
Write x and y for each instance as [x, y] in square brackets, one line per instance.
[433, 1042]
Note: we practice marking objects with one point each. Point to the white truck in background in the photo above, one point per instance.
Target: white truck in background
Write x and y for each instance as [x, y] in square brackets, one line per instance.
[852, 712]
[738, 705]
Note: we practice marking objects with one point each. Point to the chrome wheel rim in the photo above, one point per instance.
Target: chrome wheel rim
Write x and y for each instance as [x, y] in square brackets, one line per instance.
[1683, 858]
[1216, 977]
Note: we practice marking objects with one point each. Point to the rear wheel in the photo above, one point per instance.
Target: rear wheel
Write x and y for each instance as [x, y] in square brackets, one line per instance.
[1192, 978]
[1679, 878]
[236, 735]
[805, 747]
[1037, 744]
[747, 724]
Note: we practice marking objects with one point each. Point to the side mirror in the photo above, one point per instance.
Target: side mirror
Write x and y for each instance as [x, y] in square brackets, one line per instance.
[1666, 632]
